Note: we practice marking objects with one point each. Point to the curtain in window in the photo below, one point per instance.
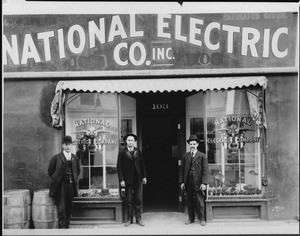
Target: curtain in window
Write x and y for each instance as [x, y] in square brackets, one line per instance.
[256, 107]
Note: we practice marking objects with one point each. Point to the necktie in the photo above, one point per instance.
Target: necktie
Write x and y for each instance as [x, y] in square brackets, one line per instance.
[193, 156]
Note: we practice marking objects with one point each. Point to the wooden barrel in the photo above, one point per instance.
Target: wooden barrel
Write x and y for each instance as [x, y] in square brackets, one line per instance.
[17, 206]
[44, 212]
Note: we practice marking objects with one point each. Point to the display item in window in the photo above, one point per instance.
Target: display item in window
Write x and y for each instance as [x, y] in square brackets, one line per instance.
[240, 189]
[82, 154]
[64, 169]
[194, 180]
[132, 172]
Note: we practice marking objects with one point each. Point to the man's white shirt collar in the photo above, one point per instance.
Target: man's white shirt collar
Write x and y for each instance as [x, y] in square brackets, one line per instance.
[130, 149]
[67, 155]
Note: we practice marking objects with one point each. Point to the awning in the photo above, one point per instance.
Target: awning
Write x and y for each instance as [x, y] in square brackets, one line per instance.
[161, 85]
[158, 85]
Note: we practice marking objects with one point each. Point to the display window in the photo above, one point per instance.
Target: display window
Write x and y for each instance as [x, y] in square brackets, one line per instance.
[92, 119]
[230, 137]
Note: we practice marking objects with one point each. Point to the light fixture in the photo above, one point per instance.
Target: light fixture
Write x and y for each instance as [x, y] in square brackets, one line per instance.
[98, 106]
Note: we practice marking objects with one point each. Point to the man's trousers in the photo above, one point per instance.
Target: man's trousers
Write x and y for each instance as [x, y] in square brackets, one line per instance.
[192, 203]
[134, 201]
[64, 203]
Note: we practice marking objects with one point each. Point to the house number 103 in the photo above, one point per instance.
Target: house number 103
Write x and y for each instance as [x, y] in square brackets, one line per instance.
[160, 106]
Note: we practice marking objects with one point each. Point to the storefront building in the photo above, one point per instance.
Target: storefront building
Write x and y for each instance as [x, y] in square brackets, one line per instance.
[231, 78]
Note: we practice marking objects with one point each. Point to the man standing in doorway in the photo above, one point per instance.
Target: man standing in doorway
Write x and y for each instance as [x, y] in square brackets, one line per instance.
[132, 172]
[64, 169]
[194, 179]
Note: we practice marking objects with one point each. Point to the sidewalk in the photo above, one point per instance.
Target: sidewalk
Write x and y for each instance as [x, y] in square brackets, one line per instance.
[170, 223]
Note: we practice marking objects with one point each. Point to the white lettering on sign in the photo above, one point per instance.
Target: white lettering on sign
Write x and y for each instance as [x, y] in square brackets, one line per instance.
[275, 43]
[45, 36]
[230, 33]
[178, 29]
[11, 50]
[95, 31]
[116, 29]
[142, 51]
[194, 30]
[161, 25]
[71, 43]
[61, 44]
[250, 42]
[207, 36]
[117, 54]
[29, 50]
[133, 32]
[162, 53]
[136, 48]
[247, 41]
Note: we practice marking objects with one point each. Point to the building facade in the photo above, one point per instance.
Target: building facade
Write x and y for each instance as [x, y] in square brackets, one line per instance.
[228, 76]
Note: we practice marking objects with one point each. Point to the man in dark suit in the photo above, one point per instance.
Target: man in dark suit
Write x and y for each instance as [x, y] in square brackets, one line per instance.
[194, 179]
[132, 172]
[64, 169]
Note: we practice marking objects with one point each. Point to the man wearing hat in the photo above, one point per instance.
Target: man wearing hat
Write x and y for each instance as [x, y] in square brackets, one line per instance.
[132, 172]
[194, 178]
[64, 169]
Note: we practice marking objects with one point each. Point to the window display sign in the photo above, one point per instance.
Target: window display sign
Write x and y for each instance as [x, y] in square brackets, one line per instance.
[233, 137]
[48, 43]
[95, 132]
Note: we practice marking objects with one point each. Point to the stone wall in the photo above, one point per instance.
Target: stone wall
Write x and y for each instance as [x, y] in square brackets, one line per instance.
[282, 109]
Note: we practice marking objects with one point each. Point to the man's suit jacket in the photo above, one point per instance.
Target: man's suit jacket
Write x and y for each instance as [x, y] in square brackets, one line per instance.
[56, 169]
[200, 168]
[125, 165]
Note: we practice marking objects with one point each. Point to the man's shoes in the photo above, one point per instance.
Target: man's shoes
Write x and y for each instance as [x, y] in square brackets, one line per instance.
[202, 222]
[189, 222]
[127, 223]
[140, 223]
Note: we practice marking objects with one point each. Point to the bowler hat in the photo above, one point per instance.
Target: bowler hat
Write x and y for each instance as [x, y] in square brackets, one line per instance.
[133, 135]
[193, 138]
[67, 139]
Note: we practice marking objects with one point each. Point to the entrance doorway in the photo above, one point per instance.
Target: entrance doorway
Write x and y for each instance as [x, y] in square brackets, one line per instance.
[160, 117]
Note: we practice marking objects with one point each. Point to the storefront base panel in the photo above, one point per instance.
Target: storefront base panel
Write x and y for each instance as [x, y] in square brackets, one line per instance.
[228, 209]
[95, 212]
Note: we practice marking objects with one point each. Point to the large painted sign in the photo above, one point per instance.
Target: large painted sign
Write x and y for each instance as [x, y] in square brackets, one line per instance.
[67, 43]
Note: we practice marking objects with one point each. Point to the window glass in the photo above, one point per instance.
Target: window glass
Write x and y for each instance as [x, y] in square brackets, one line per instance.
[126, 128]
[197, 128]
[195, 119]
[233, 145]
[92, 121]
[87, 99]
[128, 116]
